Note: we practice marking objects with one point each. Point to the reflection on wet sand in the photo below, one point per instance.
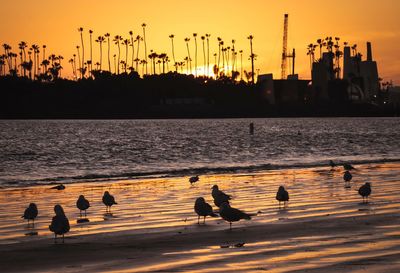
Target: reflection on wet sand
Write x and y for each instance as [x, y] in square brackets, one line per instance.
[326, 227]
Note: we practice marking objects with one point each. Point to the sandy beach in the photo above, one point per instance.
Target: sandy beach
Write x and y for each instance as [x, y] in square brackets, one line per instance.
[325, 227]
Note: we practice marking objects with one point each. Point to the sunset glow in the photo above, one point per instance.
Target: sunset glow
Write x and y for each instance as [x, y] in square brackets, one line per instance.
[55, 24]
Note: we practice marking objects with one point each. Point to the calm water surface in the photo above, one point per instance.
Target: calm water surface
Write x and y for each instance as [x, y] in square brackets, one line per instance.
[39, 152]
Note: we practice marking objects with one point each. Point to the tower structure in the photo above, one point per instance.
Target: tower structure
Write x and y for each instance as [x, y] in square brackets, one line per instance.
[285, 54]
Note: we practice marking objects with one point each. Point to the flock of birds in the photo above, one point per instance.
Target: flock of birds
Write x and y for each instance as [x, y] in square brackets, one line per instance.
[60, 223]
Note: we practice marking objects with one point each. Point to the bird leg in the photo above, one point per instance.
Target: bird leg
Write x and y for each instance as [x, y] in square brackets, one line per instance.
[63, 238]
[230, 225]
[204, 221]
[198, 219]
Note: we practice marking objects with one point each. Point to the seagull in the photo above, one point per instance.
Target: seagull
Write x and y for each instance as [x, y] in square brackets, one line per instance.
[332, 164]
[282, 195]
[30, 213]
[230, 214]
[59, 187]
[83, 204]
[59, 223]
[219, 196]
[108, 200]
[203, 209]
[194, 179]
[348, 167]
[365, 191]
[347, 176]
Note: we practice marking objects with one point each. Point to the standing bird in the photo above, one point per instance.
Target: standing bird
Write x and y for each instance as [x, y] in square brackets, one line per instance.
[59, 223]
[348, 167]
[108, 200]
[332, 164]
[83, 204]
[365, 191]
[194, 179]
[30, 213]
[230, 214]
[219, 196]
[202, 208]
[282, 195]
[347, 176]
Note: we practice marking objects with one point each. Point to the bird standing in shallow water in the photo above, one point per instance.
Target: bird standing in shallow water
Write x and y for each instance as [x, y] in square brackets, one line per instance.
[31, 212]
[219, 196]
[194, 179]
[82, 204]
[59, 223]
[202, 208]
[332, 164]
[365, 190]
[59, 187]
[108, 200]
[347, 176]
[230, 214]
[282, 196]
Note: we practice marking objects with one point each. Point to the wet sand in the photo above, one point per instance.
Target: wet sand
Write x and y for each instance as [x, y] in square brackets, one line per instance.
[325, 227]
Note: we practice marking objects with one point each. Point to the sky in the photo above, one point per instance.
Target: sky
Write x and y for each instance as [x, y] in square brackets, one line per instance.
[56, 23]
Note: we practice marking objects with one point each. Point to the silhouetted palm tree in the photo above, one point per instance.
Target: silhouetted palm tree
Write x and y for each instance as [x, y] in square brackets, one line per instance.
[133, 47]
[164, 58]
[115, 63]
[138, 39]
[100, 40]
[172, 36]
[22, 45]
[83, 50]
[252, 56]
[7, 49]
[79, 62]
[107, 35]
[203, 38]
[220, 44]
[126, 44]
[145, 44]
[208, 54]
[187, 40]
[195, 54]
[117, 40]
[91, 51]
[241, 64]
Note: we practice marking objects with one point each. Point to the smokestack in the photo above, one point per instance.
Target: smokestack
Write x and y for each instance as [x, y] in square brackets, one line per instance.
[369, 52]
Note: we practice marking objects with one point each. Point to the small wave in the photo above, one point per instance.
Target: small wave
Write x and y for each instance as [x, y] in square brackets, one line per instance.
[183, 172]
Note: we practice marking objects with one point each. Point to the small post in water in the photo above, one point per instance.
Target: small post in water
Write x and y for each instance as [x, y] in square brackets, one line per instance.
[252, 128]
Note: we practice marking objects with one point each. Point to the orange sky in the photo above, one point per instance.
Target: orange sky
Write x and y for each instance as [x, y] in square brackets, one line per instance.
[55, 24]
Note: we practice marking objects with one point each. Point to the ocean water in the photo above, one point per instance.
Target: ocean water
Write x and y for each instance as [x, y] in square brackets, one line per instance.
[54, 151]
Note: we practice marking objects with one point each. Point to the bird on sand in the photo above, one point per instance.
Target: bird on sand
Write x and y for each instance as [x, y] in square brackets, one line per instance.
[202, 208]
[82, 204]
[31, 212]
[194, 179]
[348, 167]
[230, 214]
[365, 190]
[347, 176]
[108, 200]
[219, 196]
[59, 223]
[332, 164]
[59, 187]
[282, 195]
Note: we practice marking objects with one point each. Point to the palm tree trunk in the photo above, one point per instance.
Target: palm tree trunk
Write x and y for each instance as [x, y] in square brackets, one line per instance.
[109, 57]
[83, 54]
[195, 56]
[204, 59]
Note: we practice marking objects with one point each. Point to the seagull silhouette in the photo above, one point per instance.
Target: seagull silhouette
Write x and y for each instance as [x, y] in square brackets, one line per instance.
[59, 187]
[82, 204]
[230, 214]
[202, 208]
[108, 200]
[31, 212]
[194, 179]
[282, 195]
[59, 223]
[348, 167]
[219, 196]
[347, 176]
[365, 190]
